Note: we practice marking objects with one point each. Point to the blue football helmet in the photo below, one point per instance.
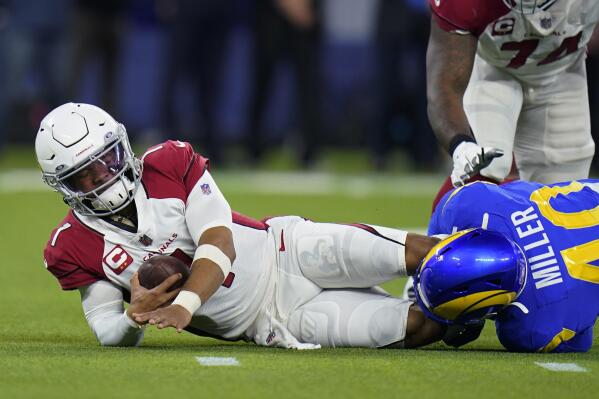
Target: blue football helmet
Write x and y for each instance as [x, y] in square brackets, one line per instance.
[470, 276]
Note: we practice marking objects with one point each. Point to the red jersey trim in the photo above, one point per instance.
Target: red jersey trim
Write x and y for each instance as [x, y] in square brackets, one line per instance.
[446, 24]
[471, 16]
[81, 282]
[194, 172]
[247, 221]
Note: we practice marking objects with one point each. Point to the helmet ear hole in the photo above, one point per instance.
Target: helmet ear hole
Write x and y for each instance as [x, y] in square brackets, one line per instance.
[495, 282]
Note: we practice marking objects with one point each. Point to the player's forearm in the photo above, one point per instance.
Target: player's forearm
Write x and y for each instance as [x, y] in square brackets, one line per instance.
[417, 247]
[420, 330]
[102, 304]
[449, 61]
[449, 121]
[205, 279]
[116, 329]
[211, 267]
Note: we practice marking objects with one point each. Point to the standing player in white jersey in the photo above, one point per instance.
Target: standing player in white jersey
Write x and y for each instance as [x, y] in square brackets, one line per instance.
[510, 75]
[284, 282]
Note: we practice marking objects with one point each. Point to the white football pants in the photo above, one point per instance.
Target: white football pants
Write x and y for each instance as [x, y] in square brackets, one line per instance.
[328, 273]
[547, 126]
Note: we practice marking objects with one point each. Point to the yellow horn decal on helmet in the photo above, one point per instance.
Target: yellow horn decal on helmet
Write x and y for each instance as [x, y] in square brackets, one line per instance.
[454, 308]
[441, 244]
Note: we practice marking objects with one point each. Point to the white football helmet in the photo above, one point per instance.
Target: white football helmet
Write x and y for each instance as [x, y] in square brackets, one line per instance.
[85, 155]
[529, 6]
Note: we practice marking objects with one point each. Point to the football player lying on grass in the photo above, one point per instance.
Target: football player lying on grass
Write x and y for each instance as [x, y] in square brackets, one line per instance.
[293, 283]
[549, 280]
[285, 282]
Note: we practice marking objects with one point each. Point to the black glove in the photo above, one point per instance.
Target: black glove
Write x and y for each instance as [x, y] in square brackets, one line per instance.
[459, 334]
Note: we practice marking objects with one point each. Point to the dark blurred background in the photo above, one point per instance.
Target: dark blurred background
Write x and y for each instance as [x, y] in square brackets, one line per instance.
[238, 78]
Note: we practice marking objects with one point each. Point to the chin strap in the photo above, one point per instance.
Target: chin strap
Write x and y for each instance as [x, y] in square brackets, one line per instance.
[114, 196]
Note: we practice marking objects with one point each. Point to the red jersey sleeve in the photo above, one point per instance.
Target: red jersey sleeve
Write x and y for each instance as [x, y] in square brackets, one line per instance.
[73, 254]
[471, 16]
[172, 169]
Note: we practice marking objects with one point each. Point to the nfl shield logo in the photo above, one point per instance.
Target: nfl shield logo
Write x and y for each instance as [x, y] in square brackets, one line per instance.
[205, 188]
[145, 240]
[546, 23]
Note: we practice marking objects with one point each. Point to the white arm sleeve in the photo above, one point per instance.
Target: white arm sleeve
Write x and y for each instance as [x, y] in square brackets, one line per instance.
[103, 308]
[206, 208]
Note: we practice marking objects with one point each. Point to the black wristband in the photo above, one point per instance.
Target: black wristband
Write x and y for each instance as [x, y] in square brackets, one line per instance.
[457, 140]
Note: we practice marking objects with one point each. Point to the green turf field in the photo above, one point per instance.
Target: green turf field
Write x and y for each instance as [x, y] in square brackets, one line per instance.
[48, 351]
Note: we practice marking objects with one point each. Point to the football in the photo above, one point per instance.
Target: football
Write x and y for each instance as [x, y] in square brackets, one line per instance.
[158, 268]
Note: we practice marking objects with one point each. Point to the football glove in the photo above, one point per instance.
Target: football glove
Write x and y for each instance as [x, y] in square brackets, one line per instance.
[458, 334]
[468, 159]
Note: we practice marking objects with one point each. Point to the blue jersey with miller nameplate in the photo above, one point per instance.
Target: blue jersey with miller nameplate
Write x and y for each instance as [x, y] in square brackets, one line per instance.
[557, 228]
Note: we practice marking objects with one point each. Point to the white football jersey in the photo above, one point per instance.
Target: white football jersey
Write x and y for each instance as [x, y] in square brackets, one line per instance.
[532, 47]
[83, 250]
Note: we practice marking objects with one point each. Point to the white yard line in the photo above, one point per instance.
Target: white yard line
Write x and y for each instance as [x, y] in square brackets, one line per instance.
[28, 180]
[329, 183]
[356, 186]
[217, 361]
[18, 180]
[567, 367]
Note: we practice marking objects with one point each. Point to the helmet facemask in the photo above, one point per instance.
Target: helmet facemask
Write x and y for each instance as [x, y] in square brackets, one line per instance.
[105, 182]
[529, 7]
